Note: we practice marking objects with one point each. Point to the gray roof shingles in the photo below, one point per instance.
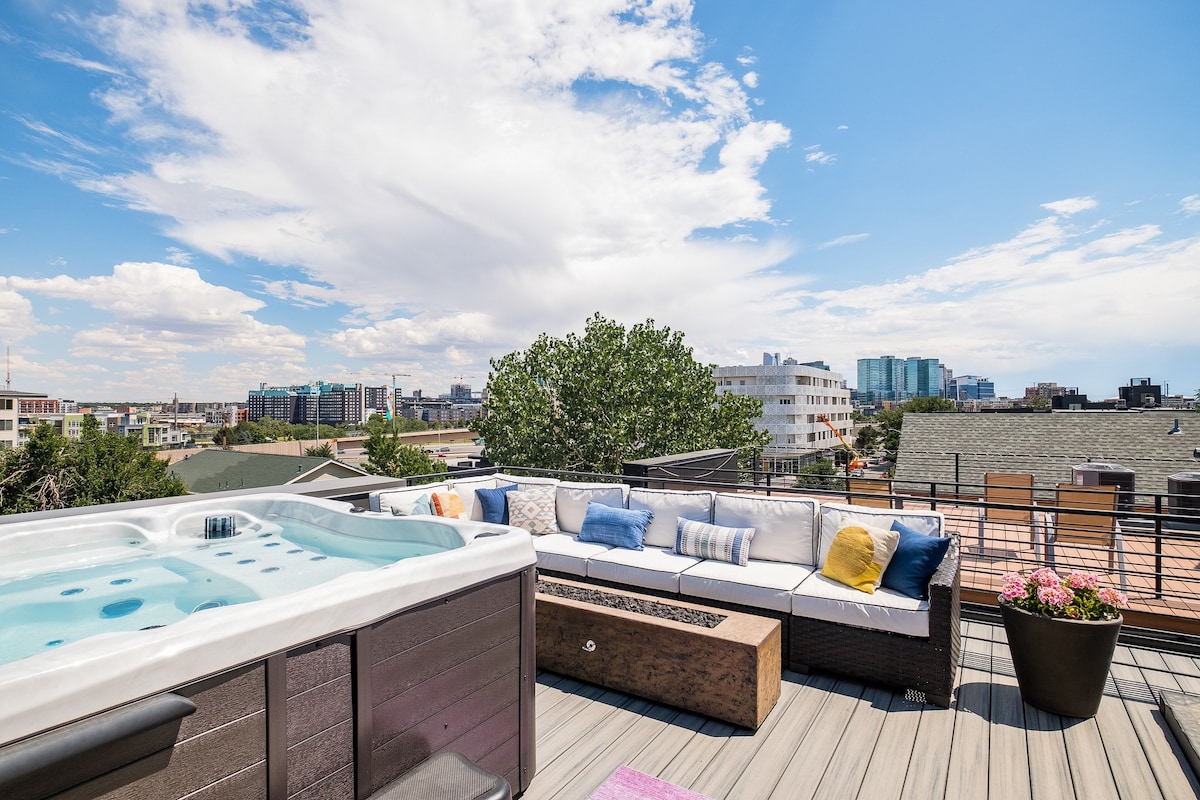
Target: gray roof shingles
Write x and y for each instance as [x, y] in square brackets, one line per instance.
[1046, 445]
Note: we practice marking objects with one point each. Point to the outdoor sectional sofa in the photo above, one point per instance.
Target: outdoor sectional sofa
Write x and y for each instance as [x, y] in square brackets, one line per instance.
[886, 637]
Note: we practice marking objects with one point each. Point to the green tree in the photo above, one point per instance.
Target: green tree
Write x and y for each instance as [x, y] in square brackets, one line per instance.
[388, 455]
[867, 439]
[591, 402]
[274, 429]
[323, 450]
[1040, 402]
[51, 471]
[818, 475]
[891, 420]
[244, 432]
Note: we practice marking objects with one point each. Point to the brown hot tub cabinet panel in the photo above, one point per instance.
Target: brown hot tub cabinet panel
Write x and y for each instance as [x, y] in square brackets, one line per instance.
[457, 674]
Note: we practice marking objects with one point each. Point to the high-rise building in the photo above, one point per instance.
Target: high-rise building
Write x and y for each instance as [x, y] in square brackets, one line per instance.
[793, 397]
[328, 403]
[880, 379]
[888, 378]
[964, 388]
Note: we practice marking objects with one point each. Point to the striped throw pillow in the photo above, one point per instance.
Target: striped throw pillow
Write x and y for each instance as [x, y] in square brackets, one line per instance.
[717, 542]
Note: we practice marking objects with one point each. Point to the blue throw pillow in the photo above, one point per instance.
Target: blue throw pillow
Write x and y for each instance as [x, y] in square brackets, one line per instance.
[916, 558]
[423, 507]
[620, 527]
[493, 505]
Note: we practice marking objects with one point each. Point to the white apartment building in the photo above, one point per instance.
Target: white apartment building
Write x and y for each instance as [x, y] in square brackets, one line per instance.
[794, 396]
[10, 414]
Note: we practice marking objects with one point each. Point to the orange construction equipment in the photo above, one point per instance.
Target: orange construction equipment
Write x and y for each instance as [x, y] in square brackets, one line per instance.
[858, 462]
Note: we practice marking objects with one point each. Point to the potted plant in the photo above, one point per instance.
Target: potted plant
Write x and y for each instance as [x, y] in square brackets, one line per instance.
[1061, 633]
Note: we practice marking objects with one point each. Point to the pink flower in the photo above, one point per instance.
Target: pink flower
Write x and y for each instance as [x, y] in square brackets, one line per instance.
[1012, 586]
[1045, 577]
[1113, 598]
[1057, 596]
[1083, 580]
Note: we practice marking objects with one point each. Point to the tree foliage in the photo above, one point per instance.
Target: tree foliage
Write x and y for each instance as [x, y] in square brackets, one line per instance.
[387, 455]
[867, 439]
[323, 450]
[591, 402]
[52, 471]
[819, 475]
[890, 420]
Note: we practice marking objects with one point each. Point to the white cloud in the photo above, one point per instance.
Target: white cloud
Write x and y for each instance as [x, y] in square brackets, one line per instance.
[460, 149]
[17, 320]
[1016, 306]
[842, 240]
[75, 60]
[1190, 204]
[161, 310]
[843, 127]
[178, 256]
[813, 154]
[750, 79]
[1072, 205]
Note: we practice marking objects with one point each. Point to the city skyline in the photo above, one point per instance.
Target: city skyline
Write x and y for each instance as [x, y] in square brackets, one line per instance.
[196, 201]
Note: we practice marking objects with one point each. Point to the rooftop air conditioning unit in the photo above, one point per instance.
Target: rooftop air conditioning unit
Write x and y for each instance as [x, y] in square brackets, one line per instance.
[1096, 474]
[1184, 491]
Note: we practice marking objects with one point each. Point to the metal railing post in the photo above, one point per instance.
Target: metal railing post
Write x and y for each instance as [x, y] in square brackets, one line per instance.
[1158, 551]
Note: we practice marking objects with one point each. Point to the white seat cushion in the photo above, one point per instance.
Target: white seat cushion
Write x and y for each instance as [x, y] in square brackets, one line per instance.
[571, 501]
[759, 584]
[784, 527]
[825, 599]
[835, 516]
[668, 506]
[651, 568]
[562, 552]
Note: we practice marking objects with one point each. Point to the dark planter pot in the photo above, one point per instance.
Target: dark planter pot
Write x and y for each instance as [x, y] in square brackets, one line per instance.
[1061, 664]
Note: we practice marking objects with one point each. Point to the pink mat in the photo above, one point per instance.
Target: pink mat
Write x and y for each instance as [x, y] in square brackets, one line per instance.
[629, 784]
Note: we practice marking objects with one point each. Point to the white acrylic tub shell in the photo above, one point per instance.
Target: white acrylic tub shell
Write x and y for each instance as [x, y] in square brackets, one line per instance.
[108, 670]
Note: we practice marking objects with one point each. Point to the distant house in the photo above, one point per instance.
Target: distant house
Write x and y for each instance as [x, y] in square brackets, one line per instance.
[943, 448]
[220, 470]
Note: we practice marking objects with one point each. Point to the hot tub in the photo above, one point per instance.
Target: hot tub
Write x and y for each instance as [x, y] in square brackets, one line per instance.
[303, 630]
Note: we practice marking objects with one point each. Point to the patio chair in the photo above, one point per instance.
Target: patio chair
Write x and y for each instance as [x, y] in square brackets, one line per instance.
[1067, 526]
[1014, 488]
[877, 486]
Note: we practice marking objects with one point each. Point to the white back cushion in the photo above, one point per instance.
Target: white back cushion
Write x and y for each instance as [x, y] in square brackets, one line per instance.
[402, 499]
[571, 501]
[465, 488]
[784, 527]
[835, 516]
[668, 506]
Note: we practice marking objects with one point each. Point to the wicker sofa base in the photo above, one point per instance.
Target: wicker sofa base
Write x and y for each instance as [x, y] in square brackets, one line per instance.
[906, 662]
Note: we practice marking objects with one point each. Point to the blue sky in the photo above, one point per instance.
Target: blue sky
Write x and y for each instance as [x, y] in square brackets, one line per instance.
[199, 196]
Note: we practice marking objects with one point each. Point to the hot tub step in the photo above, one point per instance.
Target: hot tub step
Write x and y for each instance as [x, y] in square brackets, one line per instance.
[446, 776]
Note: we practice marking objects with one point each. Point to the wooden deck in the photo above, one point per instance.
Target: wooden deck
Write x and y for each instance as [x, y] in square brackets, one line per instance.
[829, 738]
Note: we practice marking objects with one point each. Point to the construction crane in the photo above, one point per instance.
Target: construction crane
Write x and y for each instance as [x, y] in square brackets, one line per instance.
[858, 461]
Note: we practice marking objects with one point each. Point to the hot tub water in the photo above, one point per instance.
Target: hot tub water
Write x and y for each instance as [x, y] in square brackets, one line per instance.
[142, 584]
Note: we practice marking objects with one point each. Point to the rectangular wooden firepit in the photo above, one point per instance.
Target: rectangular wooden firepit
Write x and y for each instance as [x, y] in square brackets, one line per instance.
[730, 671]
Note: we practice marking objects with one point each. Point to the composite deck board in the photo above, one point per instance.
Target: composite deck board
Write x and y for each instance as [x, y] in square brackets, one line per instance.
[833, 737]
[805, 772]
[778, 750]
[887, 768]
[1007, 743]
[967, 776]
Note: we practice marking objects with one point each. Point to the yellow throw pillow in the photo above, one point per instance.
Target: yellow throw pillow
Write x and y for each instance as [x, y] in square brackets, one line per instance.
[859, 555]
[448, 504]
